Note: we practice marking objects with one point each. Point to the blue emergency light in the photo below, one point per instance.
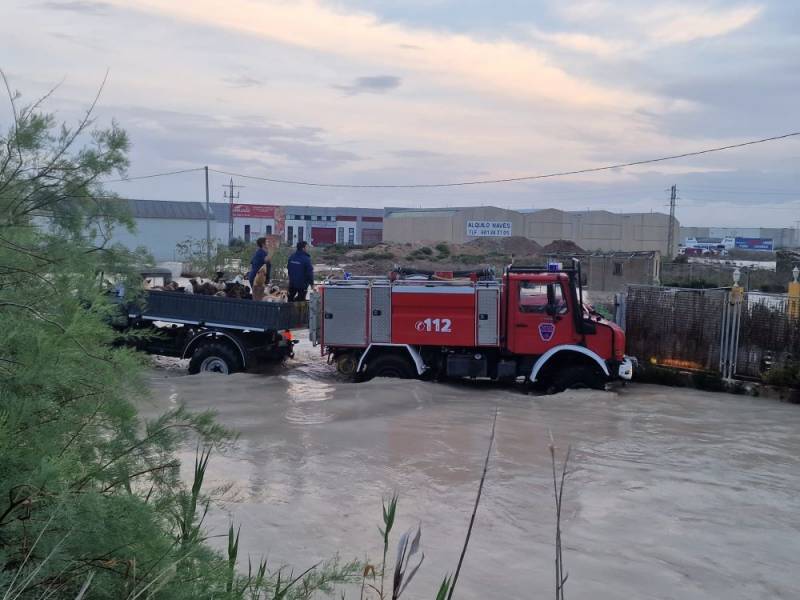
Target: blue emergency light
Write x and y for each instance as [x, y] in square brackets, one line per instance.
[554, 267]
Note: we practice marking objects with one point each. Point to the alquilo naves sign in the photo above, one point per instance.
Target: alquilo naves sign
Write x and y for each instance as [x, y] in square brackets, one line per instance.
[488, 228]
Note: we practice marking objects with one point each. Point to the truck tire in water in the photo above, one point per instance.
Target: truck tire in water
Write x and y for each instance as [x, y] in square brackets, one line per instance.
[214, 358]
[346, 364]
[577, 377]
[389, 365]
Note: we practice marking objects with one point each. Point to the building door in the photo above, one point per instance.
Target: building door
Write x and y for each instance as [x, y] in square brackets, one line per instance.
[290, 234]
[269, 230]
[323, 236]
[371, 236]
[247, 233]
[340, 235]
[351, 235]
[299, 234]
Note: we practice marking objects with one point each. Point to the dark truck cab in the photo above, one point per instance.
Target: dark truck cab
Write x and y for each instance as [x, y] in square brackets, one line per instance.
[217, 334]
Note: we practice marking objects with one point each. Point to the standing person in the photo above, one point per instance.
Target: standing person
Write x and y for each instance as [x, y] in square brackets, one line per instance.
[301, 273]
[259, 259]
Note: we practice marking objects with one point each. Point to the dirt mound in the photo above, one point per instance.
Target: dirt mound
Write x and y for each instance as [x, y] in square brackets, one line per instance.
[516, 245]
[565, 246]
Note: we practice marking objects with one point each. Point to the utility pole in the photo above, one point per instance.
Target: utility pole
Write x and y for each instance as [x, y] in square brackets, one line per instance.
[671, 231]
[231, 197]
[208, 223]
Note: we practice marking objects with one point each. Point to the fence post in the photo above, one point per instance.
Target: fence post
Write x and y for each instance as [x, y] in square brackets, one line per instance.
[620, 306]
[794, 295]
[731, 323]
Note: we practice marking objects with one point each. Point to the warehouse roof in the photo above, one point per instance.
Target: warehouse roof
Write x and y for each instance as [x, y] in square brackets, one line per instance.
[220, 211]
[413, 214]
[166, 209]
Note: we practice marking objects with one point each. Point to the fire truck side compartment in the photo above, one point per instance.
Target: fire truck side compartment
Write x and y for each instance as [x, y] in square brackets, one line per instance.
[345, 316]
[488, 321]
[381, 314]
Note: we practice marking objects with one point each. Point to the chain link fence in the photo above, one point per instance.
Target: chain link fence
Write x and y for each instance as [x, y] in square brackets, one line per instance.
[675, 327]
[768, 337]
[694, 329]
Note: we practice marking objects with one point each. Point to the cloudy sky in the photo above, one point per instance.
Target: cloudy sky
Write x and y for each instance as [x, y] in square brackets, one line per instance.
[420, 91]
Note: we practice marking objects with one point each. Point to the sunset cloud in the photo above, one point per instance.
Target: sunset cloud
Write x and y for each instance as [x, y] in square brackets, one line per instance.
[373, 91]
[503, 66]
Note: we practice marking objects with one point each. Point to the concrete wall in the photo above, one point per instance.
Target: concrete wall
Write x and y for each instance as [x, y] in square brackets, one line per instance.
[591, 230]
[611, 272]
[419, 226]
[161, 236]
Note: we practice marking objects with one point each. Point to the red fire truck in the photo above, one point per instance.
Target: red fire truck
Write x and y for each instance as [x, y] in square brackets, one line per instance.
[531, 323]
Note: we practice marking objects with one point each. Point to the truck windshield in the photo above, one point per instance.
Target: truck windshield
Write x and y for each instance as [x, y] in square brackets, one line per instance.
[533, 297]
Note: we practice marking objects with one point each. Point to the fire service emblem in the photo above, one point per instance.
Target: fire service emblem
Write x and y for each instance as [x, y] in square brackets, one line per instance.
[547, 331]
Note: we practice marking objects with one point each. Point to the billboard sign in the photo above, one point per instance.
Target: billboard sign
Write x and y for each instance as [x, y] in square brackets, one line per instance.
[254, 211]
[743, 243]
[488, 228]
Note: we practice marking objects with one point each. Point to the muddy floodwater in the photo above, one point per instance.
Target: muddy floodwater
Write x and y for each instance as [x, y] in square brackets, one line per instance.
[672, 493]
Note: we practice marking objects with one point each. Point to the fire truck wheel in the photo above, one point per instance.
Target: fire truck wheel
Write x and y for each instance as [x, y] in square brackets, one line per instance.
[390, 366]
[214, 358]
[346, 364]
[577, 377]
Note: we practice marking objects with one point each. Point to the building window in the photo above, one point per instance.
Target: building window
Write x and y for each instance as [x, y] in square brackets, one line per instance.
[290, 234]
[618, 268]
[340, 235]
[319, 217]
[307, 218]
[351, 236]
[269, 229]
[247, 233]
[329, 218]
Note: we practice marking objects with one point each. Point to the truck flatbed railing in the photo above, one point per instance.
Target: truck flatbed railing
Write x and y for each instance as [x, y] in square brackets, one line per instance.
[220, 312]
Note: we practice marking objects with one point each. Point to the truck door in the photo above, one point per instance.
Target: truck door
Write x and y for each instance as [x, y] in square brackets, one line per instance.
[533, 328]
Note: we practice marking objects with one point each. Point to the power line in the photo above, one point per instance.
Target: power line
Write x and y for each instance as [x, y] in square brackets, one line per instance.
[152, 175]
[510, 179]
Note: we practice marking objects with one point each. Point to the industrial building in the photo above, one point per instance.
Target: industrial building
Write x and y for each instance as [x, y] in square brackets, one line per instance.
[161, 224]
[782, 237]
[591, 230]
[318, 225]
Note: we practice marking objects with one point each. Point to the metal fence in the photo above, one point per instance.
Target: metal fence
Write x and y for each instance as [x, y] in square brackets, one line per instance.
[714, 330]
[675, 327]
[768, 337]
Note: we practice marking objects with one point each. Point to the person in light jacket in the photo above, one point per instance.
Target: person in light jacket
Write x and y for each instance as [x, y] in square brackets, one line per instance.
[301, 273]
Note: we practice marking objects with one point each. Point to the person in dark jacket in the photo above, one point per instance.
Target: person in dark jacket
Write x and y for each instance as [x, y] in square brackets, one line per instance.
[301, 273]
[259, 259]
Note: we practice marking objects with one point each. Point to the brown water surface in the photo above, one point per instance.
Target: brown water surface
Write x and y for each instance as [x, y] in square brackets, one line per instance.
[673, 493]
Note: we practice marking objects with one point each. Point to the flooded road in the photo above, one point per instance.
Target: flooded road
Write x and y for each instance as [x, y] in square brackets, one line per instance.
[673, 493]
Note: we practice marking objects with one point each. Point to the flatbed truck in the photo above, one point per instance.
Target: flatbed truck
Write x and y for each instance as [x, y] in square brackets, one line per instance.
[217, 334]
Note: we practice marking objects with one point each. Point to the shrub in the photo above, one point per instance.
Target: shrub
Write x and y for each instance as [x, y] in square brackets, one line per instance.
[788, 376]
[378, 256]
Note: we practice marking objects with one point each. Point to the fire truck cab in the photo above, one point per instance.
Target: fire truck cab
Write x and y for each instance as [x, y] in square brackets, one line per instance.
[531, 323]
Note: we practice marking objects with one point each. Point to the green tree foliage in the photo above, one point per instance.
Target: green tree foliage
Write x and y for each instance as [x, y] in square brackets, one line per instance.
[90, 493]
